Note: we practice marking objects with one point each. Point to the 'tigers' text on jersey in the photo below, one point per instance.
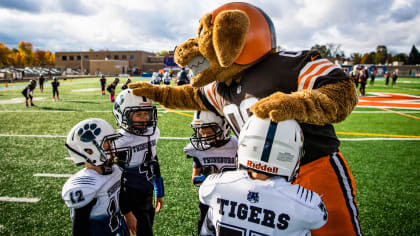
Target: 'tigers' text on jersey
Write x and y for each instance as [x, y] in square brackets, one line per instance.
[254, 214]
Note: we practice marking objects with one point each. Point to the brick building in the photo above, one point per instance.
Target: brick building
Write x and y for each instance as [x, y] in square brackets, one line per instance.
[109, 62]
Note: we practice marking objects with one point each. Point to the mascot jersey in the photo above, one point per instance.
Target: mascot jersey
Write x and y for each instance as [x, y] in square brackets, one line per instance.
[240, 205]
[88, 187]
[221, 158]
[286, 72]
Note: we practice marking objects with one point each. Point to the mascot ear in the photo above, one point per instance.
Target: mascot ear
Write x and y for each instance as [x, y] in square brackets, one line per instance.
[230, 30]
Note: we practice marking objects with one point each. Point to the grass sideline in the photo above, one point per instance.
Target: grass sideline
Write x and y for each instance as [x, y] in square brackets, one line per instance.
[386, 170]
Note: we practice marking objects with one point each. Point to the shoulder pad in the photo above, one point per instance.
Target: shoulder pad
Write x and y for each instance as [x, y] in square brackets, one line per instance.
[78, 197]
[305, 196]
[80, 189]
[214, 180]
[189, 149]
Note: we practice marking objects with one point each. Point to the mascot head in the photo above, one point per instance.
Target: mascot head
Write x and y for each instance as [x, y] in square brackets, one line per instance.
[230, 39]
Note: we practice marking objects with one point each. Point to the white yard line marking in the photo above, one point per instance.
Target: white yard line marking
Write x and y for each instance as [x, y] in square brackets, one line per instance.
[53, 175]
[17, 199]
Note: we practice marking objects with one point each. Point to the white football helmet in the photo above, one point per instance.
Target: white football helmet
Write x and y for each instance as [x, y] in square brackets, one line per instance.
[270, 147]
[125, 107]
[210, 130]
[92, 141]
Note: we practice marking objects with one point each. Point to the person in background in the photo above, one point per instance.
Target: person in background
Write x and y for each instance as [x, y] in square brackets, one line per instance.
[102, 81]
[363, 80]
[386, 78]
[111, 89]
[394, 78]
[28, 92]
[372, 77]
[55, 84]
[41, 83]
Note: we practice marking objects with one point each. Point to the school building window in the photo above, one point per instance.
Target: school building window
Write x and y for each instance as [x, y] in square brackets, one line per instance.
[116, 57]
[64, 58]
[71, 58]
[79, 58]
[131, 56]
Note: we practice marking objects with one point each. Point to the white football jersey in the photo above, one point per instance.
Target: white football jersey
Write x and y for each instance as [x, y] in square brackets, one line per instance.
[223, 157]
[138, 145]
[240, 205]
[86, 185]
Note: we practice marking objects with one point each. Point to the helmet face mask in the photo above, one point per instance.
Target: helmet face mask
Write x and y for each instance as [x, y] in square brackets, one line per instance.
[210, 130]
[206, 136]
[135, 114]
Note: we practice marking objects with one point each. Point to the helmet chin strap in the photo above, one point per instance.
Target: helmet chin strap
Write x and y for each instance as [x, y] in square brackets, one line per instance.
[106, 169]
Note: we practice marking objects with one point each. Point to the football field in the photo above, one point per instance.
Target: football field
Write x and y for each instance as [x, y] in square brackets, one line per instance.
[380, 141]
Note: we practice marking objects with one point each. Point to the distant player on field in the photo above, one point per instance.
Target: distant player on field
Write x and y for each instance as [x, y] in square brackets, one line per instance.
[28, 92]
[111, 89]
[92, 193]
[55, 84]
[102, 81]
[260, 199]
[212, 148]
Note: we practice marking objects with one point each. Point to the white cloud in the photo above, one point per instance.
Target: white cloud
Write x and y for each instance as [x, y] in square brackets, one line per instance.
[66, 25]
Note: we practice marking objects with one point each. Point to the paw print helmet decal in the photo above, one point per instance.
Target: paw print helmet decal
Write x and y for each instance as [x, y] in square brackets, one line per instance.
[92, 141]
[135, 114]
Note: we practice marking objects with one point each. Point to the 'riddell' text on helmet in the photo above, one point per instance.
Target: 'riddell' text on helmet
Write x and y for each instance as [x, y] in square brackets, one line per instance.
[270, 147]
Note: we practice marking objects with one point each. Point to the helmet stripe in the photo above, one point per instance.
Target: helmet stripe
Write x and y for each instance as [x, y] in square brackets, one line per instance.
[269, 141]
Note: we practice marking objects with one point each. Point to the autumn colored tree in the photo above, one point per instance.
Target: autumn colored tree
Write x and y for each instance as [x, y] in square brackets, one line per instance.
[25, 49]
[6, 55]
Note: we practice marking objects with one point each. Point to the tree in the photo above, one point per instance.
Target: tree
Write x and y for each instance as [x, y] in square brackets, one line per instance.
[414, 56]
[400, 57]
[6, 55]
[356, 58]
[162, 53]
[322, 49]
[368, 58]
[25, 49]
[381, 54]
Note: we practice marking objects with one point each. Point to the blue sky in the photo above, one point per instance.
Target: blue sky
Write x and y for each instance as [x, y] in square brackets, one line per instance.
[73, 25]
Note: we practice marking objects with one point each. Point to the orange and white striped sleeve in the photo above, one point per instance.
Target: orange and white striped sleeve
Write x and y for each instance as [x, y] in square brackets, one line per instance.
[312, 71]
[210, 95]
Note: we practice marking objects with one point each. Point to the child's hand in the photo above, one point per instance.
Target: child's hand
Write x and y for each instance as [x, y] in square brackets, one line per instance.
[158, 204]
[131, 222]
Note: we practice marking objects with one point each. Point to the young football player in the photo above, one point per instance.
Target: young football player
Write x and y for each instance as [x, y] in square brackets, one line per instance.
[55, 84]
[102, 81]
[28, 92]
[137, 118]
[92, 193]
[41, 80]
[260, 199]
[111, 89]
[212, 148]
